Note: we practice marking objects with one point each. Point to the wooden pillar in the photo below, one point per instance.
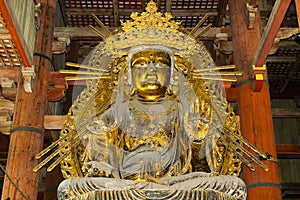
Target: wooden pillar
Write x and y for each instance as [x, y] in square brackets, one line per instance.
[26, 139]
[253, 107]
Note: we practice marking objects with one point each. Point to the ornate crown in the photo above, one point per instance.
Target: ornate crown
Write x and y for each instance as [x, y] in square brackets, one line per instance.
[151, 18]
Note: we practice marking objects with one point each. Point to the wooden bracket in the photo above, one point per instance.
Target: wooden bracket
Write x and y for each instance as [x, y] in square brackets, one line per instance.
[252, 11]
[61, 42]
[6, 82]
[29, 76]
[222, 45]
[258, 76]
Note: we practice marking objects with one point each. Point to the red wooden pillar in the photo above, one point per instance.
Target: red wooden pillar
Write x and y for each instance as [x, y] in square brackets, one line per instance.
[253, 107]
[26, 139]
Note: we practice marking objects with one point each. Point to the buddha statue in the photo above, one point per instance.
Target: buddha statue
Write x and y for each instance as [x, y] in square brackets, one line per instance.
[151, 123]
[148, 145]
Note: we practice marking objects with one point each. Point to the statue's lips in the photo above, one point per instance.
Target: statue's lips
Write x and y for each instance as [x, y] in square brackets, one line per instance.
[150, 78]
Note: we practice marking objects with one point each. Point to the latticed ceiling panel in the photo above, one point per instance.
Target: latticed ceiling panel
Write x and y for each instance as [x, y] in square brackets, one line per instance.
[287, 52]
[194, 4]
[9, 56]
[85, 20]
[88, 4]
[284, 73]
[192, 21]
[131, 4]
[188, 12]
[279, 68]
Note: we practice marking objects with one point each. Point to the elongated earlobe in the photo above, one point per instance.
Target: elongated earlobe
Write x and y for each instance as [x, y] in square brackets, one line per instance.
[132, 91]
[170, 90]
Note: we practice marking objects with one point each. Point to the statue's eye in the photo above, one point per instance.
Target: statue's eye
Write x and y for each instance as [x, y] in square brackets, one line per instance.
[140, 62]
[162, 62]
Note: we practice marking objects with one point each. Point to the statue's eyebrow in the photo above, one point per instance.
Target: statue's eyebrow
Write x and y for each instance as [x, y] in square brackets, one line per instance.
[139, 60]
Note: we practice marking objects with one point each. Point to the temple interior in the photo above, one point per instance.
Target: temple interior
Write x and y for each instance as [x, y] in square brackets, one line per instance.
[44, 42]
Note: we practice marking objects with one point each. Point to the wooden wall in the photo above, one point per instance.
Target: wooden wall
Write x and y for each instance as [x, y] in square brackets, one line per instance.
[287, 131]
[22, 14]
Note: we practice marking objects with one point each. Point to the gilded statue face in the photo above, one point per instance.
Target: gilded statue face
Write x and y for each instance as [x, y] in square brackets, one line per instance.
[151, 72]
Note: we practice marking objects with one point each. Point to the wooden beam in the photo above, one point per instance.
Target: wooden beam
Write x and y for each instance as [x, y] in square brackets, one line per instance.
[158, 4]
[83, 33]
[116, 13]
[168, 6]
[54, 122]
[127, 12]
[221, 12]
[297, 3]
[285, 113]
[272, 28]
[62, 7]
[12, 73]
[282, 58]
[293, 149]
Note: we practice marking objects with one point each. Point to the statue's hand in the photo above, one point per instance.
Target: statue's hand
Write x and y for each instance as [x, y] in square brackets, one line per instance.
[94, 169]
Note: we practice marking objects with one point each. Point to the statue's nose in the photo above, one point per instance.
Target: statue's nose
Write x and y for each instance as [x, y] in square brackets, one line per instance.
[151, 66]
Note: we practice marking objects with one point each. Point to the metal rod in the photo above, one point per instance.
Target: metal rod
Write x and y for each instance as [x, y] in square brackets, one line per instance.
[215, 68]
[218, 73]
[101, 24]
[199, 24]
[63, 71]
[215, 78]
[204, 30]
[96, 31]
[50, 147]
[79, 78]
[83, 66]
[58, 160]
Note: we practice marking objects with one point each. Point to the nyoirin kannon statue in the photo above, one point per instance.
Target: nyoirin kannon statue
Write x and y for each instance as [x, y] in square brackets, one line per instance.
[153, 122]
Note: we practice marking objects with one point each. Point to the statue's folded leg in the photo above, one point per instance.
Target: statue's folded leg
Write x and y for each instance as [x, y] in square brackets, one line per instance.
[199, 181]
[229, 185]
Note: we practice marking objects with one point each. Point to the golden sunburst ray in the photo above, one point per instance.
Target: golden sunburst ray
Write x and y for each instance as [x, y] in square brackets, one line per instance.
[63, 71]
[83, 78]
[59, 150]
[85, 67]
[62, 157]
[96, 31]
[216, 79]
[51, 146]
[250, 146]
[204, 30]
[215, 68]
[237, 73]
[249, 155]
[241, 141]
[207, 15]
[101, 25]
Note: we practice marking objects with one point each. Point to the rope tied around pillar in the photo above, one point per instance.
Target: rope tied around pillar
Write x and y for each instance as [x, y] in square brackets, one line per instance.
[250, 80]
[28, 128]
[262, 184]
